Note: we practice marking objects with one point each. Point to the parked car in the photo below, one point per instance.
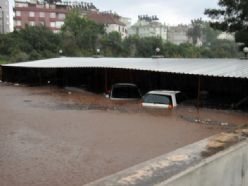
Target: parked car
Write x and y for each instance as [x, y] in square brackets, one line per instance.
[163, 99]
[124, 91]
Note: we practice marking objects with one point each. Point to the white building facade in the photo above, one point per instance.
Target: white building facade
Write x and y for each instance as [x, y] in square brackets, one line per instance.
[178, 34]
[5, 17]
[148, 27]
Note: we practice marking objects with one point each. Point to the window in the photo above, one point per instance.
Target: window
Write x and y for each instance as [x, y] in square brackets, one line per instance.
[31, 23]
[52, 24]
[125, 92]
[52, 15]
[42, 23]
[42, 14]
[18, 23]
[52, 6]
[158, 99]
[40, 6]
[61, 16]
[18, 13]
[21, 5]
[59, 24]
[31, 14]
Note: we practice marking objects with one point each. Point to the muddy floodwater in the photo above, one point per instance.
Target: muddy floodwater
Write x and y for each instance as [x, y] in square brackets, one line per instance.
[61, 137]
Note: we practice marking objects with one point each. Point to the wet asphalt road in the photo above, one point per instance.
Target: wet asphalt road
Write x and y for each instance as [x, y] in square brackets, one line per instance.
[50, 137]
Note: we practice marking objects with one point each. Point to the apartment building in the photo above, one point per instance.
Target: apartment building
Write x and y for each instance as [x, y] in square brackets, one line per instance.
[148, 26]
[5, 20]
[178, 34]
[52, 16]
[33, 13]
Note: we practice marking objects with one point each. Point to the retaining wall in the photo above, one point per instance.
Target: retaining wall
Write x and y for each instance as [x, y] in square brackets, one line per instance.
[228, 168]
[187, 167]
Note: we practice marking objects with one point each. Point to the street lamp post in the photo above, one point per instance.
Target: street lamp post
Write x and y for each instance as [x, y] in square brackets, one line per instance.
[2, 19]
[98, 51]
[60, 52]
[157, 50]
[245, 50]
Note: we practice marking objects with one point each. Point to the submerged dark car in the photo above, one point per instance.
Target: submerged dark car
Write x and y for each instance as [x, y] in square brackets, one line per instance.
[124, 91]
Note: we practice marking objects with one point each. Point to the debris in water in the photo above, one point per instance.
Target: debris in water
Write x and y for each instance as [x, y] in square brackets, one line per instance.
[224, 124]
[208, 121]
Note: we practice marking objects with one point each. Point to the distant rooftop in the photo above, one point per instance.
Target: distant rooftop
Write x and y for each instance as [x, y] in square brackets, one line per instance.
[69, 3]
[105, 18]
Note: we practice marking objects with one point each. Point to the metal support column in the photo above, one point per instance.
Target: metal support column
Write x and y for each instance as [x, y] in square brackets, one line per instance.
[199, 92]
[106, 80]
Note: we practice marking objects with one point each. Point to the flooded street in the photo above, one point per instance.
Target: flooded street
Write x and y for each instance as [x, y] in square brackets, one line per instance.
[59, 137]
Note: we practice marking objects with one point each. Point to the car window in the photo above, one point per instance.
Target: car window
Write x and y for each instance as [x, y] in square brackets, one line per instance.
[157, 99]
[125, 92]
[180, 97]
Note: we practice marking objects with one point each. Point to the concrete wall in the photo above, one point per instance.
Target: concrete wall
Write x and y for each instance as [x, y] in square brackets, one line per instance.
[228, 168]
[186, 167]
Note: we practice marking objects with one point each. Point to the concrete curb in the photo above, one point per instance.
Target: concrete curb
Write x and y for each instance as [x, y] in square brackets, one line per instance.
[169, 168]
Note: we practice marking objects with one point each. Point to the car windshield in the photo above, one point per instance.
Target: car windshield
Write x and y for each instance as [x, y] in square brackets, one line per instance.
[158, 99]
[126, 92]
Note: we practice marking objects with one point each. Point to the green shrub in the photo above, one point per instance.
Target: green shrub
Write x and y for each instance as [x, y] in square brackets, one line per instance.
[35, 55]
[18, 56]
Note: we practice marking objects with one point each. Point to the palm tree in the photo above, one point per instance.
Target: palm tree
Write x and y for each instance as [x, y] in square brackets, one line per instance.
[195, 32]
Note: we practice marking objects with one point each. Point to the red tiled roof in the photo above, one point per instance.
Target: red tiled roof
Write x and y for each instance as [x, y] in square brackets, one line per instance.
[105, 18]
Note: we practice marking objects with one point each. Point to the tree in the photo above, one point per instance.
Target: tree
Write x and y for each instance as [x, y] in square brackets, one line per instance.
[80, 33]
[30, 43]
[146, 47]
[112, 44]
[195, 32]
[232, 16]
[209, 35]
[130, 44]
[40, 39]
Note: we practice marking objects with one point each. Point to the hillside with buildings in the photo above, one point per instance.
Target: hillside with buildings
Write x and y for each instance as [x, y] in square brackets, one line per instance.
[38, 12]
[82, 29]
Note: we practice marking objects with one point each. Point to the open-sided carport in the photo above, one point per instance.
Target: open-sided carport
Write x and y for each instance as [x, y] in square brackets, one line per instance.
[227, 78]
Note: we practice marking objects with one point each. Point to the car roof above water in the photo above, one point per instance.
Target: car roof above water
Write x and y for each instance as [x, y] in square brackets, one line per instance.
[164, 92]
[125, 84]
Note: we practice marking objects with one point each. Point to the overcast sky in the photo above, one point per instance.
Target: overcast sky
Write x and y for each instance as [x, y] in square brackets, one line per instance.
[171, 12]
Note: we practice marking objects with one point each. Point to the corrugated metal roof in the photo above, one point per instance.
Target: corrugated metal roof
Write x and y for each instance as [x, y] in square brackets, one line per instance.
[234, 68]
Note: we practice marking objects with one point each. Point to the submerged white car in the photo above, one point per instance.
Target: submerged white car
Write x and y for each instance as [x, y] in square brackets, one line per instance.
[163, 99]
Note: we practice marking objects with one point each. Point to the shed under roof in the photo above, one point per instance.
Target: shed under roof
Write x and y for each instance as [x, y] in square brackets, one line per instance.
[233, 68]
